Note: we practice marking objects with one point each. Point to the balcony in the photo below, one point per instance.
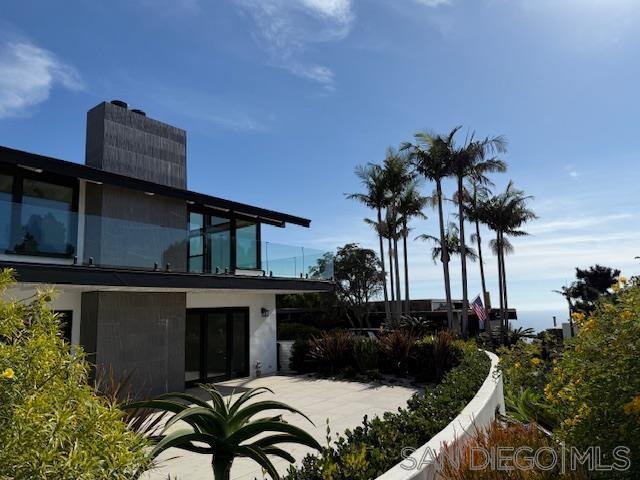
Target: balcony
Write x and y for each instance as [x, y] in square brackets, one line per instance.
[58, 235]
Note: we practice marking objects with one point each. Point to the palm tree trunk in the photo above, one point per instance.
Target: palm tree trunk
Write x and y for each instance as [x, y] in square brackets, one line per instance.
[501, 290]
[463, 258]
[445, 257]
[504, 288]
[397, 273]
[407, 304]
[221, 467]
[387, 312]
[393, 294]
[482, 279]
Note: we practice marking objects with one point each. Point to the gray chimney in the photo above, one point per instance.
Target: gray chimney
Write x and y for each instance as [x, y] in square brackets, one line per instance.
[127, 142]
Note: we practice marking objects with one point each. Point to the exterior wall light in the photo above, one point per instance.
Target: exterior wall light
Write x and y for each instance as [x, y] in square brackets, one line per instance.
[265, 312]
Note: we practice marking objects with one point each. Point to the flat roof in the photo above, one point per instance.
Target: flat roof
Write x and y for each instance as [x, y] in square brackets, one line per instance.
[56, 166]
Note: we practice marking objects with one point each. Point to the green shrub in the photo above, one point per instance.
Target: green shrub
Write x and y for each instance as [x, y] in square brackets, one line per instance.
[52, 425]
[595, 386]
[395, 349]
[435, 355]
[300, 361]
[332, 351]
[373, 448]
[365, 352]
[294, 331]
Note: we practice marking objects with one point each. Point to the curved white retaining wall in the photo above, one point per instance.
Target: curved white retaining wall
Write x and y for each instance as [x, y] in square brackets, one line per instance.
[478, 414]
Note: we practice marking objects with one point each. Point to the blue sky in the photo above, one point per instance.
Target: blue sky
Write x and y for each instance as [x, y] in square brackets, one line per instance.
[282, 98]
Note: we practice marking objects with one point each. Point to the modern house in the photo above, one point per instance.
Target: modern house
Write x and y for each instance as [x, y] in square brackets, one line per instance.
[165, 285]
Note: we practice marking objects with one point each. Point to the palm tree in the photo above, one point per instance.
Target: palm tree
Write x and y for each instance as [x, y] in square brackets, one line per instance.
[398, 176]
[375, 197]
[226, 428]
[429, 156]
[471, 160]
[453, 244]
[474, 195]
[410, 205]
[505, 214]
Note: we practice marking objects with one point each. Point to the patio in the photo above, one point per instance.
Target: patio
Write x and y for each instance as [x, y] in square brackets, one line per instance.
[342, 403]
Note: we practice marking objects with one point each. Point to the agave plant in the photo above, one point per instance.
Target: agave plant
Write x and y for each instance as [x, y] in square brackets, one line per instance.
[226, 429]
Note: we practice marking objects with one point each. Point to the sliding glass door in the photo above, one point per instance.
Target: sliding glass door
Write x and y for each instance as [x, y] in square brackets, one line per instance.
[216, 344]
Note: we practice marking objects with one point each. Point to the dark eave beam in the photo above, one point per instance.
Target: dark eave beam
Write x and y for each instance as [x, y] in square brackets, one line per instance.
[42, 163]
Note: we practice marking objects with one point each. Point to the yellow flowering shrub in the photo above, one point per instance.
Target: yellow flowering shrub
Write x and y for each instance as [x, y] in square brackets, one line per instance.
[52, 425]
[595, 386]
[523, 367]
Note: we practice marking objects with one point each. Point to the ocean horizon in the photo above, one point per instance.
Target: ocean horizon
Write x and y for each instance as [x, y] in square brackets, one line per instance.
[540, 320]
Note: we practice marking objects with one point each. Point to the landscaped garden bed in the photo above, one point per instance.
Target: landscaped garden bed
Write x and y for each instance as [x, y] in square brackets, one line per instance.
[376, 446]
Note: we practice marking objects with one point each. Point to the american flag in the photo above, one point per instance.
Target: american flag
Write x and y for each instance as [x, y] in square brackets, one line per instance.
[478, 308]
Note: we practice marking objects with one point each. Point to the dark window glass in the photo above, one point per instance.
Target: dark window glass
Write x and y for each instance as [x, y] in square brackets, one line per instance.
[192, 358]
[6, 187]
[239, 367]
[46, 221]
[219, 238]
[216, 344]
[66, 323]
[246, 244]
[196, 242]
[196, 222]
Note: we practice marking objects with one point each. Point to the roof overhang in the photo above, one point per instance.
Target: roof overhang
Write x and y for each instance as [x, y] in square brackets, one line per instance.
[82, 275]
[41, 163]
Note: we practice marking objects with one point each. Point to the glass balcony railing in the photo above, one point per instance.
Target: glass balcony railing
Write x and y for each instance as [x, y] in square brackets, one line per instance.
[287, 261]
[50, 231]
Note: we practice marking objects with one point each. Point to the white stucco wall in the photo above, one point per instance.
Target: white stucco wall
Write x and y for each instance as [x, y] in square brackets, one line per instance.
[63, 300]
[478, 414]
[262, 331]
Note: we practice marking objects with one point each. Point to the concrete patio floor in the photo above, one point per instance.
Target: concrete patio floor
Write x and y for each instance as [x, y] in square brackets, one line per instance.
[343, 403]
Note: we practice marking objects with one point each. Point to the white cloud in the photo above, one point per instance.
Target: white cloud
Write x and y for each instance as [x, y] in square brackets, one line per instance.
[336, 9]
[28, 73]
[286, 28]
[433, 3]
[317, 73]
[576, 223]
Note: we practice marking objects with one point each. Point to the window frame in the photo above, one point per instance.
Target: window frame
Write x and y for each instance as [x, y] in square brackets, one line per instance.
[17, 196]
[207, 213]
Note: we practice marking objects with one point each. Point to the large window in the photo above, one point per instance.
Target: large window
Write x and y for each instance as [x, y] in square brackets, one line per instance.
[246, 244]
[196, 242]
[6, 188]
[37, 216]
[46, 221]
[218, 244]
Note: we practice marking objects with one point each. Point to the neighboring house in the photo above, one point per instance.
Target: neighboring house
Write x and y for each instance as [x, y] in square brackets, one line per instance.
[433, 311]
[169, 286]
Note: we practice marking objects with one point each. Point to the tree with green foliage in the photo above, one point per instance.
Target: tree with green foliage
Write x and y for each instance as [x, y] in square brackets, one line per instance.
[505, 214]
[359, 278]
[591, 284]
[410, 205]
[471, 160]
[429, 156]
[595, 386]
[452, 241]
[52, 424]
[226, 428]
[475, 193]
[375, 197]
